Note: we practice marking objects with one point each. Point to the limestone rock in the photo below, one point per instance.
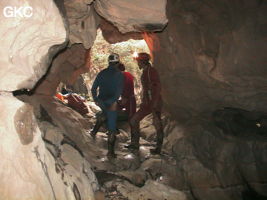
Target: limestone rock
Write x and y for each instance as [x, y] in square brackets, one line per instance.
[137, 177]
[25, 175]
[173, 133]
[79, 86]
[25, 43]
[70, 121]
[66, 68]
[165, 171]
[141, 15]
[83, 22]
[113, 35]
[151, 190]
[51, 133]
[210, 160]
[215, 56]
[79, 172]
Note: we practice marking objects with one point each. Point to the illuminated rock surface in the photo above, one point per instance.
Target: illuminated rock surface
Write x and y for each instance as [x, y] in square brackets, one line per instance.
[28, 169]
[211, 55]
[25, 43]
[136, 15]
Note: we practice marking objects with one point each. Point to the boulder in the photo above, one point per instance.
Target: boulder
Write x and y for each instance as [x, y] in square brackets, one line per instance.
[141, 16]
[151, 190]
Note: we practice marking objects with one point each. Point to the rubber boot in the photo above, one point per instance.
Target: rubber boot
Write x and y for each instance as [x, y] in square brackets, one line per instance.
[100, 119]
[157, 150]
[111, 145]
[96, 128]
[135, 137]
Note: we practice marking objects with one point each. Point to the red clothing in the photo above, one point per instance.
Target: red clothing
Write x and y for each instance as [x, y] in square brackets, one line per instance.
[151, 102]
[128, 94]
[128, 88]
[77, 103]
[60, 96]
[151, 88]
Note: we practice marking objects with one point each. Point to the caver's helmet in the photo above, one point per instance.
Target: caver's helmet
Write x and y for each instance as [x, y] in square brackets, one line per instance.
[144, 57]
[113, 58]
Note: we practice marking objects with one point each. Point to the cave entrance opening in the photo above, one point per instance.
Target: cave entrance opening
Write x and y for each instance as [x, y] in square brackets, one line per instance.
[100, 51]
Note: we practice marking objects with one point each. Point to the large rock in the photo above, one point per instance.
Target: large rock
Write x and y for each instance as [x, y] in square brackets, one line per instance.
[26, 42]
[66, 68]
[80, 86]
[28, 167]
[25, 162]
[113, 35]
[83, 22]
[212, 55]
[151, 190]
[137, 15]
[216, 164]
[75, 171]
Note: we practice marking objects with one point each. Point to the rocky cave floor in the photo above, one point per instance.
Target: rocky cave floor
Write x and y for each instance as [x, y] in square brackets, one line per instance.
[130, 166]
[140, 175]
[131, 175]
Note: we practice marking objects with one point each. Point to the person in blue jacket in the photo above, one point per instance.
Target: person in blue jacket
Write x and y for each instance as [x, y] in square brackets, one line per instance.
[109, 83]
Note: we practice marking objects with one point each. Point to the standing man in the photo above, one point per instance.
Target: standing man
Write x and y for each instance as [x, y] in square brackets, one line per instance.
[151, 103]
[127, 102]
[110, 84]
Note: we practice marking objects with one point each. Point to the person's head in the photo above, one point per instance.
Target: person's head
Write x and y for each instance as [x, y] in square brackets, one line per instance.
[113, 58]
[121, 67]
[143, 60]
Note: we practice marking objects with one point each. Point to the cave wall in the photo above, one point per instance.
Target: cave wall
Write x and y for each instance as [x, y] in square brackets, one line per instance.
[28, 169]
[33, 166]
[136, 15]
[82, 22]
[66, 68]
[212, 55]
[113, 35]
[25, 43]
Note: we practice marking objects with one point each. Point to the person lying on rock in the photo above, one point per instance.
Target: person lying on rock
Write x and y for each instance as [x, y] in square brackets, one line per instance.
[126, 105]
[110, 84]
[151, 103]
[73, 100]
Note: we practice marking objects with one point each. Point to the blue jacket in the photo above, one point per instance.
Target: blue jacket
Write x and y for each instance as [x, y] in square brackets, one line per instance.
[110, 84]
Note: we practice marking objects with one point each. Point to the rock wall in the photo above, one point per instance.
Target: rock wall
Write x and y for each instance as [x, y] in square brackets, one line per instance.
[113, 35]
[136, 15]
[66, 68]
[28, 169]
[83, 22]
[212, 55]
[213, 164]
[26, 41]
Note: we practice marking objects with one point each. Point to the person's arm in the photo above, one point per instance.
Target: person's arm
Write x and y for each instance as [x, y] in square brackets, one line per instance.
[94, 88]
[118, 90]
